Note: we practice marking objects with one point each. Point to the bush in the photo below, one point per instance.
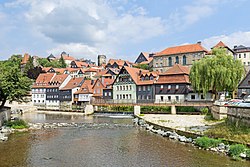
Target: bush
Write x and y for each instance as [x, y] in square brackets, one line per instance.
[17, 124]
[204, 111]
[185, 109]
[155, 109]
[206, 142]
[236, 149]
[248, 153]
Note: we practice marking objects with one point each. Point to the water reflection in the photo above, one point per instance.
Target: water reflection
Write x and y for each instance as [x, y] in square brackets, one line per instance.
[101, 146]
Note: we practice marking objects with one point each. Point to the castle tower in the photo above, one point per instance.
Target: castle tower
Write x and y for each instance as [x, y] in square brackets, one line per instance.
[101, 60]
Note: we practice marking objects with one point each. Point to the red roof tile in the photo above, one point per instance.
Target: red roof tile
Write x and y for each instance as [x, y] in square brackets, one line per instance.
[86, 88]
[190, 48]
[220, 45]
[73, 83]
[43, 80]
[58, 80]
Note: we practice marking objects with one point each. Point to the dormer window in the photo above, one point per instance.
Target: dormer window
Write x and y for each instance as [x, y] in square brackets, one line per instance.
[142, 78]
[151, 78]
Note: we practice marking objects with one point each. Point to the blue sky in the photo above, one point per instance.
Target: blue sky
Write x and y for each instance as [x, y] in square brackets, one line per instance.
[118, 28]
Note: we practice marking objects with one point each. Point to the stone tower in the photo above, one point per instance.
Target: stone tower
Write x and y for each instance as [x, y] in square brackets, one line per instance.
[101, 60]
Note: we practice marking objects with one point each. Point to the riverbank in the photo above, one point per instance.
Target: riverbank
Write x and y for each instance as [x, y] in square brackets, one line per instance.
[190, 129]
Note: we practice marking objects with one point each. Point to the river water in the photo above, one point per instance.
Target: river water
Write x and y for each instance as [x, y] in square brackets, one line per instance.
[104, 141]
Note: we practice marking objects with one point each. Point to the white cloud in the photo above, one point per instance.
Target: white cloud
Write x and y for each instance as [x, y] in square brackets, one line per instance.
[75, 49]
[236, 38]
[89, 24]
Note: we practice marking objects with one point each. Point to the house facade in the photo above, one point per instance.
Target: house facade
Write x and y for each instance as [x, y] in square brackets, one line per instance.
[184, 55]
[85, 93]
[244, 87]
[242, 53]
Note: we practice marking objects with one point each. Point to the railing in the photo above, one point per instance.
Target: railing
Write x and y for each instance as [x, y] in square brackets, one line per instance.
[149, 102]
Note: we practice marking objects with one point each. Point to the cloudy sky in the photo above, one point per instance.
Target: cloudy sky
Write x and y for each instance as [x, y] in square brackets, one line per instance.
[118, 28]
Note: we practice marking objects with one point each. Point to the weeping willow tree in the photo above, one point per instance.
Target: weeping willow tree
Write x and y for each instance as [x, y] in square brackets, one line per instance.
[216, 73]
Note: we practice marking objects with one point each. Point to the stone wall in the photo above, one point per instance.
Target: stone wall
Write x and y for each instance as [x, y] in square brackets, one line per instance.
[239, 115]
[4, 115]
[219, 112]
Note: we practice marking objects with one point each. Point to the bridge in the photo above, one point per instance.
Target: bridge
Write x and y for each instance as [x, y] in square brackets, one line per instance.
[150, 102]
[137, 104]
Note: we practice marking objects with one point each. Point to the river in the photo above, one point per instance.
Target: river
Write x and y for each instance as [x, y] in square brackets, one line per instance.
[104, 141]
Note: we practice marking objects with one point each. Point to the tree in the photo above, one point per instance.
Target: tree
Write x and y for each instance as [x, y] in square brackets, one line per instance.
[34, 72]
[219, 72]
[13, 84]
[142, 66]
[29, 65]
[62, 62]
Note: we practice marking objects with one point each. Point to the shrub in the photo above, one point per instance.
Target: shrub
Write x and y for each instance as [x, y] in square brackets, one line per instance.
[17, 124]
[185, 109]
[204, 111]
[206, 142]
[236, 149]
[248, 153]
[155, 109]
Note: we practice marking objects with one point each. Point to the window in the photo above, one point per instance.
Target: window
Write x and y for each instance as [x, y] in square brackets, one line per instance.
[117, 96]
[144, 88]
[245, 55]
[139, 97]
[127, 87]
[105, 94]
[120, 96]
[130, 96]
[176, 87]
[130, 87]
[162, 98]
[151, 77]
[117, 87]
[169, 98]
[139, 87]
[170, 61]
[109, 93]
[202, 97]
[123, 87]
[184, 60]
[34, 100]
[160, 64]
[169, 87]
[192, 96]
[161, 87]
[120, 87]
[177, 60]
[126, 96]
[239, 56]
[177, 98]
[148, 88]
[123, 96]
[244, 63]
[156, 65]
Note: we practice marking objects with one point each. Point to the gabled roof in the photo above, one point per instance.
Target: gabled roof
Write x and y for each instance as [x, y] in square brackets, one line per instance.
[222, 45]
[73, 83]
[91, 70]
[190, 48]
[86, 88]
[176, 74]
[134, 72]
[101, 73]
[58, 80]
[119, 62]
[147, 82]
[107, 81]
[67, 57]
[43, 80]
[51, 56]
[25, 58]
[177, 69]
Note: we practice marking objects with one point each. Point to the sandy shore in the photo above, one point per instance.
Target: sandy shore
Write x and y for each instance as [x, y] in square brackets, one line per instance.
[188, 123]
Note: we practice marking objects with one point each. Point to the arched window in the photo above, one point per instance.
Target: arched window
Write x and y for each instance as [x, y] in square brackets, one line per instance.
[170, 61]
[177, 60]
[184, 61]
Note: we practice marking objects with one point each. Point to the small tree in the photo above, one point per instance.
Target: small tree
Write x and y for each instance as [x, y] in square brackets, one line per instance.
[62, 62]
[13, 84]
[29, 65]
[219, 72]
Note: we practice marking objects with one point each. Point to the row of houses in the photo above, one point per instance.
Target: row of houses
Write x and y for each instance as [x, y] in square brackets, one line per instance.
[133, 85]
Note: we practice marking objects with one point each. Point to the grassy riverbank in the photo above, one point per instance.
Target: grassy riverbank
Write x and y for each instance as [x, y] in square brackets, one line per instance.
[228, 131]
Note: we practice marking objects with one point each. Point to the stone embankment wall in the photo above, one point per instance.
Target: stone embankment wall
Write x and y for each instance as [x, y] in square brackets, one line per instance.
[4, 115]
[239, 115]
[219, 112]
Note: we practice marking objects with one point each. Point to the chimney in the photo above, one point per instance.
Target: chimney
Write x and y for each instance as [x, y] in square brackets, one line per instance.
[199, 42]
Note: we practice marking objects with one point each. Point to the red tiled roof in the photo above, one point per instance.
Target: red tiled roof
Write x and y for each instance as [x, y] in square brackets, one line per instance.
[67, 57]
[119, 62]
[176, 74]
[107, 81]
[58, 80]
[73, 83]
[101, 73]
[46, 69]
[190, 48]
[25, 58]
[134, 72]
[147, 82]
[86, 88]
[43, 79]
[91, 70]
[220, 45]
[81, 64]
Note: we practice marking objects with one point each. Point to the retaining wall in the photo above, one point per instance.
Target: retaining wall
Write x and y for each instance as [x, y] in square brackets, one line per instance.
[239, 115]
[4, 115]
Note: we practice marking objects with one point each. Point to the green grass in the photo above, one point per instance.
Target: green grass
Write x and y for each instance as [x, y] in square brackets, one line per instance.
[228, 131]
[17, 124]
[236, 149]
[206, 142]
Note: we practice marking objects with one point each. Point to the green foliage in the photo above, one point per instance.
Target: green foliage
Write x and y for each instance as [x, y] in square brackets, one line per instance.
[185, 109]
[206, 142]
[248, 153]
[122, 108]
[29, 65]
[236, 149]
[62, 62]
[34, 72]
[55, 63]
[17, 124]
[204, 111]
[13, 84]
[142, 66]
[219, 72]
[155, 109]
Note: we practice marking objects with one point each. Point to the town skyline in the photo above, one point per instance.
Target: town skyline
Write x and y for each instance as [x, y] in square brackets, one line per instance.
[118, 29]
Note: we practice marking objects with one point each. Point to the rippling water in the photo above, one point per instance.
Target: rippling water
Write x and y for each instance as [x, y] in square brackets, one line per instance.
[99, 145]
